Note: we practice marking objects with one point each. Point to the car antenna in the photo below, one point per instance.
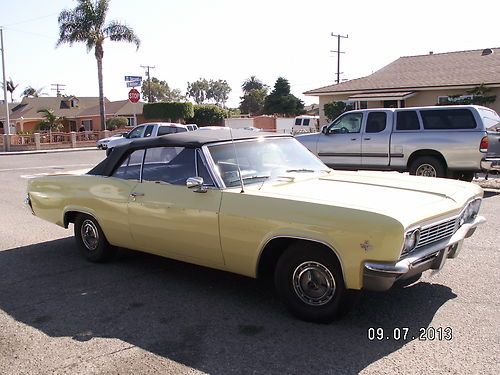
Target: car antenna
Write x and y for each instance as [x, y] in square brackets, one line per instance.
[237, 162]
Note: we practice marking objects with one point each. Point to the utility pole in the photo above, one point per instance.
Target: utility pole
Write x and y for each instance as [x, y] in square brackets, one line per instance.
[6, 125]
[149, 80]
[338, 54]
[58, 88]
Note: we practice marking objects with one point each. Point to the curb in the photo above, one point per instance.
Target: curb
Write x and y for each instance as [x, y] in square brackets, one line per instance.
[47, 151]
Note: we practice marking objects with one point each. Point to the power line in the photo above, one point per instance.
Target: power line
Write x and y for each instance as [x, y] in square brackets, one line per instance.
[147, 67]
[31, 20]
[338, 51]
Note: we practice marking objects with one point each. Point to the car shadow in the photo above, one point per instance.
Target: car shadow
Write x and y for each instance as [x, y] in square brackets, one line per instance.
[490, 193]
[213, 321]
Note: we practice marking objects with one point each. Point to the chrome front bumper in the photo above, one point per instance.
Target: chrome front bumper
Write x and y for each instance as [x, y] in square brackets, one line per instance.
[27, 203]
[380, 276]
[490, 164]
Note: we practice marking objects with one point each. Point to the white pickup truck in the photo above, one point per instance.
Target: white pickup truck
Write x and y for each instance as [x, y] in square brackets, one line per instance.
[149, 130]
[451, 141]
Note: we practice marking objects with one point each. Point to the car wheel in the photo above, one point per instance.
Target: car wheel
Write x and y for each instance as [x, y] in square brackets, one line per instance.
[428, 166]
[309, 281]
[91, 240]
[109, 151]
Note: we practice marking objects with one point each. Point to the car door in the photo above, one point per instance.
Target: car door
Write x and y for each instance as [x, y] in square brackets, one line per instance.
[375, 139]
[169, 219]
[340, 144]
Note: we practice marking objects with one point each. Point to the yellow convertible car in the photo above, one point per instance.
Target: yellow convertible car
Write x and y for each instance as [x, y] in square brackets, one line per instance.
[259, 204]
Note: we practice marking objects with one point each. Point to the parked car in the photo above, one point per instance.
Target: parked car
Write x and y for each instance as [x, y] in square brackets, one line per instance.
[102, 144]
[261, 204]
[149, 130]
[445, 141]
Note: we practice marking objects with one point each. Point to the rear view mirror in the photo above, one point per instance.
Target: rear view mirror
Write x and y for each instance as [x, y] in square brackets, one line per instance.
[196, 184]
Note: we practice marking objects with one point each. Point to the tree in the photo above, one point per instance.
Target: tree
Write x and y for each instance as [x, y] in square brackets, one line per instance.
[11, 88]
[335, 109]
[86, 23]
[161, 92]
[253, 101]
[281, 101]
[198, 90]
[208, 114]
[31, 92]
[253, 83]
[218, 91]
[50, 122]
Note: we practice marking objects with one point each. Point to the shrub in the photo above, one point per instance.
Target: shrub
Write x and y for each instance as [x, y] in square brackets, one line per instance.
[116, 123]
[335, 109]
[171, 112]
[210, 114]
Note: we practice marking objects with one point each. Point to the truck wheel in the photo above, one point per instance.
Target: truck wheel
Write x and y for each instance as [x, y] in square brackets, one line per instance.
[91, 240]
[310, 283]
[428, 166]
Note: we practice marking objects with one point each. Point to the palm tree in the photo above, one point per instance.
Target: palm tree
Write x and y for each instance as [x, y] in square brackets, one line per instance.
[31, 92]
[10, 88]
[87, 24]
[51, 122]
[252, 83]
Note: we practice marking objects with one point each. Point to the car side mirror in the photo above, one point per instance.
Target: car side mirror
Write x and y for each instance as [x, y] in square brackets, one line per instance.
[324, 129]
[196, 184]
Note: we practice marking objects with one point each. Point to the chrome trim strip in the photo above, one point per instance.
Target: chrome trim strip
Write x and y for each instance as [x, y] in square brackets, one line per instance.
[300, 238]
[211, 166]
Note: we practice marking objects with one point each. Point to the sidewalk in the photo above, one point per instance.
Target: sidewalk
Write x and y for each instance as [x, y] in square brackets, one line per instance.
[48, 151]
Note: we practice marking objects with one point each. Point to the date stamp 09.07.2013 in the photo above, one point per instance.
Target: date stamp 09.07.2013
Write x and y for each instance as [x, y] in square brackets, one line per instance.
[407, 334]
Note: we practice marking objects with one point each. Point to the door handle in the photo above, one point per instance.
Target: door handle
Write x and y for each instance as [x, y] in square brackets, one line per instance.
[366, 139]
[354, 139]
[134, 195]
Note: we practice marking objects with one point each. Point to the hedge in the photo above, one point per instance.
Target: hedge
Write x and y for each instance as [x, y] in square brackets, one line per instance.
[209, 114]
[172, 111]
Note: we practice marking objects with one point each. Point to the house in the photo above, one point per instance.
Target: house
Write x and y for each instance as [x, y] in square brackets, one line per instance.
[424, 80]
[3, 116]
[78, 112]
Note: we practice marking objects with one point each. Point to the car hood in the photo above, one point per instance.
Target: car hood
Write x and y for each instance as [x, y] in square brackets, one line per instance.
[408, 199]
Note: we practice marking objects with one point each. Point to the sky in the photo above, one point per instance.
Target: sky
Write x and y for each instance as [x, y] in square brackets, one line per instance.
[232, 40]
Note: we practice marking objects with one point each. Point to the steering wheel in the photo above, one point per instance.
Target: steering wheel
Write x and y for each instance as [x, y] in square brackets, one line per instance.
[343, 129]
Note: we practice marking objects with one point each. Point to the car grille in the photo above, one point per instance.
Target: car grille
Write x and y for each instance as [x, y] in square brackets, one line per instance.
[437, 232]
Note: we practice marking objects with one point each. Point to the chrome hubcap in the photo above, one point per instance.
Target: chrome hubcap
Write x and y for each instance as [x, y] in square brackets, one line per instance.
[313, 283]
[426, 170]
[90, 235]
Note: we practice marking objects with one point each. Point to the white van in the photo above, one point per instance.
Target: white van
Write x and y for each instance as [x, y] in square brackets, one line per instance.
[305, 124]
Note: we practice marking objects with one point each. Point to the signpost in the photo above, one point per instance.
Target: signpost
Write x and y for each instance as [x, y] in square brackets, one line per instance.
[133, 95]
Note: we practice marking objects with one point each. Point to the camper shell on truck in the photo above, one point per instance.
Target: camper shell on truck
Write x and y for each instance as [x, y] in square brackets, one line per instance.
[440, 141]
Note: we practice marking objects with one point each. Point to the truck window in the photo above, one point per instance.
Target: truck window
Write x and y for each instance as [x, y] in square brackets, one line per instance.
[448, 119]
[162, 130]
[149, 130]
[376, 122]
[349, 123]
[298, 121]
[407, 120]
[305, 122]
[181, 130]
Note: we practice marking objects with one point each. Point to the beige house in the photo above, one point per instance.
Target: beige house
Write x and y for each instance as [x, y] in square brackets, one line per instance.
[413, 81]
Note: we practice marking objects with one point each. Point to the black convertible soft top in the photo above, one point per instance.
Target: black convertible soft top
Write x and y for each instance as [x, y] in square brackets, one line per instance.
[192, 139]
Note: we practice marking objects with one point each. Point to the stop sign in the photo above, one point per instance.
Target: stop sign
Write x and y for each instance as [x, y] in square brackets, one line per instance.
[134, 95]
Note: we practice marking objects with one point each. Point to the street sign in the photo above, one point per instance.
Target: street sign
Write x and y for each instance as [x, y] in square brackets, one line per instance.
[134, 95]
[133, 81]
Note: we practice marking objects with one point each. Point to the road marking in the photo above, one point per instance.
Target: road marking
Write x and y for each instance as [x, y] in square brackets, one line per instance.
[58, 167]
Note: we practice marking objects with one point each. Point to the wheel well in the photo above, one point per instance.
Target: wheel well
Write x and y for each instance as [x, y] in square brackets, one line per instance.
[276, 247]
[70, 217]
[433, 153]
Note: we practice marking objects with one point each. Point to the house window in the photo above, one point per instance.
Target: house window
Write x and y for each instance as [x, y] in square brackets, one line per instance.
[72, 126]
[443, 100]
[130, 121]
[86, 124]
[363, 104]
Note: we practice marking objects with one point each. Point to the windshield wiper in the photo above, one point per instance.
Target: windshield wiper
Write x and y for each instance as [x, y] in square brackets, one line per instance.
[303, 170]
[249, 178]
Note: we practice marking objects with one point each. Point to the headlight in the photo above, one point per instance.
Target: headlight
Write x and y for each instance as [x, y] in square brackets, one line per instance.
[411, 240]
[470, 212]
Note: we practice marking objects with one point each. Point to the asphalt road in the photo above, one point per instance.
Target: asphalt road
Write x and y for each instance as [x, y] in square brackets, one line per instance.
[143, 314]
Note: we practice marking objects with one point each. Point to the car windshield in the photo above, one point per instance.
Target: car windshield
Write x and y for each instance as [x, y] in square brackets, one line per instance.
[262, 159]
